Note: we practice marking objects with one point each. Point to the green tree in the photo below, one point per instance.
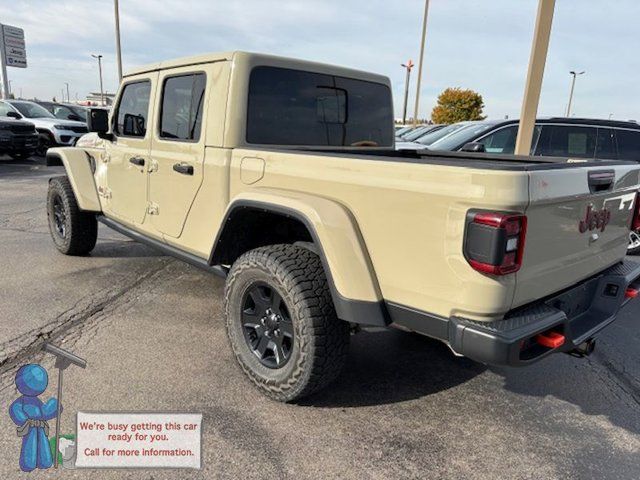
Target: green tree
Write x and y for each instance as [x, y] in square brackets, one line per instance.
[457, 105]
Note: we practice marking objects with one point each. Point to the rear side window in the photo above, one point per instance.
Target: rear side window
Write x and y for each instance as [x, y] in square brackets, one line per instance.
[292, 107]
[628, 144]
[567, 141]
[182, 100]
[133, 110]
[605, 148]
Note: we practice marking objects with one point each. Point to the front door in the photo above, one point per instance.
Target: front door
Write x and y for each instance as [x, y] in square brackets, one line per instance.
[128, 153]
[177, 150]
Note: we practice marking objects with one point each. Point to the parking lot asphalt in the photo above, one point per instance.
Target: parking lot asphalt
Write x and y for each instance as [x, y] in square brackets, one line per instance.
[152, 332]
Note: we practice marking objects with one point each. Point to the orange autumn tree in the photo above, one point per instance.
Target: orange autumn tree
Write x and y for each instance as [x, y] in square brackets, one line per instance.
[457, 105]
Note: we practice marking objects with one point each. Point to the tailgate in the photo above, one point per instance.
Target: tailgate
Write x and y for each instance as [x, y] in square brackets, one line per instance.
[577, 225]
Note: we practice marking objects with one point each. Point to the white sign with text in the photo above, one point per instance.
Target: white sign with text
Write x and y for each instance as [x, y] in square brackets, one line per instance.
[138, 440]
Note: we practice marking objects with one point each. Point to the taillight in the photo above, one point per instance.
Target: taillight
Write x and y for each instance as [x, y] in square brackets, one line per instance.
[635, 224]
[494, 241]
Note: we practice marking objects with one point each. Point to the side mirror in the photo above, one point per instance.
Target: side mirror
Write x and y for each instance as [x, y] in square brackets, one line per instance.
[13, 114]
[475, 147]
[74, 117]
[98, 121]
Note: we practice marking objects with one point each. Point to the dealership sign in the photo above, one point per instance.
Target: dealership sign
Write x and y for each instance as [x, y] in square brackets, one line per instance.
[15, 54]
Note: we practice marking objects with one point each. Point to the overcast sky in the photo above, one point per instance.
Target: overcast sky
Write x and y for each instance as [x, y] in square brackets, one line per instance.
[482, 45]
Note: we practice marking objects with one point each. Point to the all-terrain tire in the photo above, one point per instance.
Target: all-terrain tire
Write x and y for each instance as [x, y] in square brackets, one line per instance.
[320, 341]
[73, 231]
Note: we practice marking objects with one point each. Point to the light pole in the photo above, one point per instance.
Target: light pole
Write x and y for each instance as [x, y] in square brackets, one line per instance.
[408, 66]
[99, 57]
[535, 73]
[68, 97]
[424, 35]
[573, 84]
[118, 52]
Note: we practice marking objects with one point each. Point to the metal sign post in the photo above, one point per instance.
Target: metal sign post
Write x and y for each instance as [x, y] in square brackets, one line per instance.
[12, 54]
[63, 360]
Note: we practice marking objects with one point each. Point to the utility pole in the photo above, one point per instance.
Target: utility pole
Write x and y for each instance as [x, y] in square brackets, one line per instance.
[408, 66]
[573, 84]
[99, 57]
[68, 97]
[537, 61]
[118, 51]
[424, 35]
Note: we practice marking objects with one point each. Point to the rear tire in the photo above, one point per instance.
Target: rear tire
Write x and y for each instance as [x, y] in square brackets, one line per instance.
[290, 283]
[634, 243]
[73, 231]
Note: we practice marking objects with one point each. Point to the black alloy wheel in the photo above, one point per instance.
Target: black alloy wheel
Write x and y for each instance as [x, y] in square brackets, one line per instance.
[267, 326]
[59, 216]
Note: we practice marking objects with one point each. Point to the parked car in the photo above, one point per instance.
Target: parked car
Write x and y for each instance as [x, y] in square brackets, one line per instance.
[65, 111]
[402, 129]
[18, 139]
[52, 131]
[426, 138]
[582, 138]
[274, 181]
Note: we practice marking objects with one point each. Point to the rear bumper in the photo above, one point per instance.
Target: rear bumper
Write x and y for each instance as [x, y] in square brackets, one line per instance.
[578, 314]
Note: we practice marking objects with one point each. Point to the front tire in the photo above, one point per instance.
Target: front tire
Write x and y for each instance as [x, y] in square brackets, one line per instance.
[282, 324]
[73, 231]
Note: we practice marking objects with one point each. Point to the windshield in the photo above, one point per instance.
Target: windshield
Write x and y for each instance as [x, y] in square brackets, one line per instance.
[32, 110]
[464, 135]
[80, 111]
[65, 112]
[432, 137]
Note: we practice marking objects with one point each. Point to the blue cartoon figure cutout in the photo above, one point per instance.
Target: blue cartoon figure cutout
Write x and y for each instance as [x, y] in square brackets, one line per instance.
[30, 414]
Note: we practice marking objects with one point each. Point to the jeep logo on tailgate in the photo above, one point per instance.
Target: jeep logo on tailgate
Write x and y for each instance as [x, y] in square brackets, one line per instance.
[595, 219]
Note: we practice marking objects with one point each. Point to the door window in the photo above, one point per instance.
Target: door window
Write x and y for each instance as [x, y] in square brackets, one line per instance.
[4, 109]
[133, 110]
[501, 141]
[567, 141]
[182, 100]
[628, 144]
[605, 148]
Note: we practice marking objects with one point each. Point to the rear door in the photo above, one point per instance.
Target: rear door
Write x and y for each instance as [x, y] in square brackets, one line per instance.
[177, 150]
[578, 224]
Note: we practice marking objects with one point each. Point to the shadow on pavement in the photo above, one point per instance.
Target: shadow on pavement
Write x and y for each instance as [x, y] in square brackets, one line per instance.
[585, 383]
[123, 249]
[389, 366]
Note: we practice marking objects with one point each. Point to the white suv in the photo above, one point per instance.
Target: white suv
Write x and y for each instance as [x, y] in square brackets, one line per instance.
[52, 131]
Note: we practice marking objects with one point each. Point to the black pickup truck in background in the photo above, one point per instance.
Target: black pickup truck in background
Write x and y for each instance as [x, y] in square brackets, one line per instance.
[18, 139]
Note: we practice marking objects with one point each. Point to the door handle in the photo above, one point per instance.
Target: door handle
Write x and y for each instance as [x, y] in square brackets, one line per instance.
[183, 168]
[139, 161]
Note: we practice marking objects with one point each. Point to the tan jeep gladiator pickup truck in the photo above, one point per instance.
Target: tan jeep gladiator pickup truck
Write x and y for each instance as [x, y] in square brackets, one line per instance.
[280, 176]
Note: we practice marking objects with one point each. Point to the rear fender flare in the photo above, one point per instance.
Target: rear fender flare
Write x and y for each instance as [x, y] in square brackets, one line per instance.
[336, 236]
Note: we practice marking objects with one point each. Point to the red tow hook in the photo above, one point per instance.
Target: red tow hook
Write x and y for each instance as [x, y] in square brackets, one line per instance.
[550, 339]
[631, 292]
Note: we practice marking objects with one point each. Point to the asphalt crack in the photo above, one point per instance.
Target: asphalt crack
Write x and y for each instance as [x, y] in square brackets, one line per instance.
[618, 376]
[90, 307]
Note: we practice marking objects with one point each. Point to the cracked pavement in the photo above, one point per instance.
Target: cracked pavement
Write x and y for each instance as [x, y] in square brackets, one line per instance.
[152, 332]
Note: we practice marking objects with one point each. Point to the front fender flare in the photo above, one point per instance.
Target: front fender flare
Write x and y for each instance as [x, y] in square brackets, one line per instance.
[77, 164]
[350, 273]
